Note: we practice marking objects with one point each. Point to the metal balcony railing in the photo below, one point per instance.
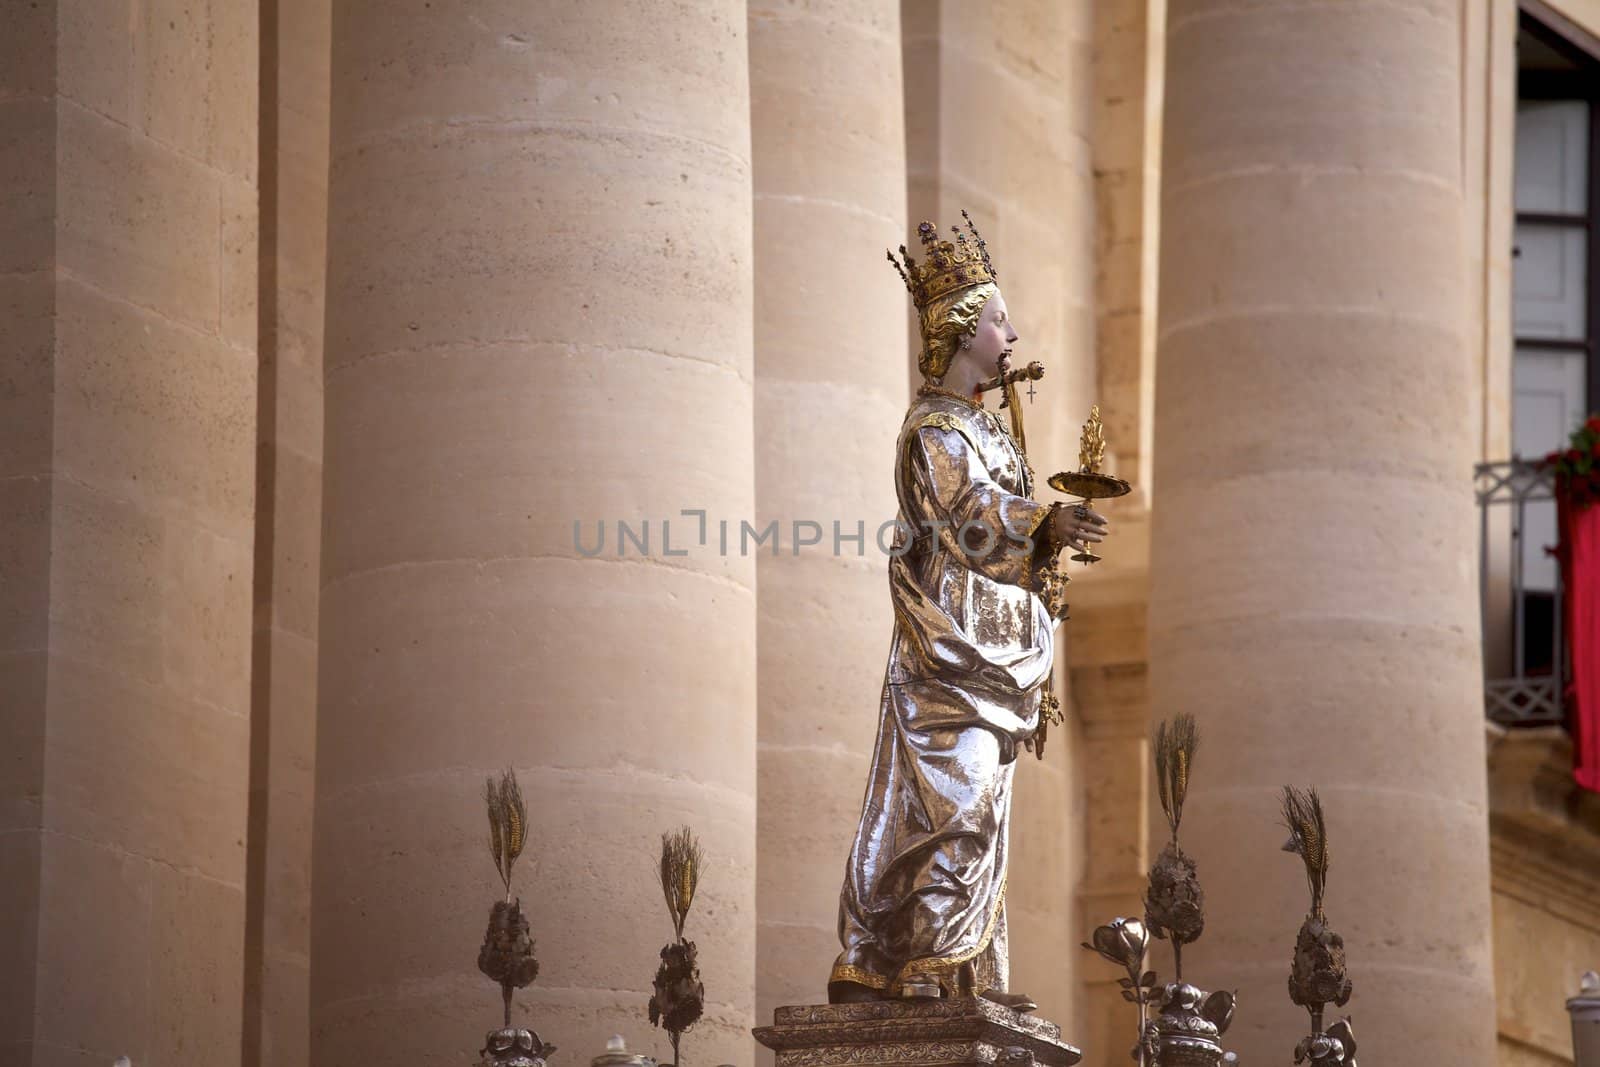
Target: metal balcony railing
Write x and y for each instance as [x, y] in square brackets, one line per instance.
[1525, 657]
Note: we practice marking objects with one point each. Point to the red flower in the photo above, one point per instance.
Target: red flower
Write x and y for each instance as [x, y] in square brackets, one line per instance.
[1592, 424]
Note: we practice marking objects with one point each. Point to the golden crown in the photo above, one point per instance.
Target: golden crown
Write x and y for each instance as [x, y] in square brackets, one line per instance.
[950, 265]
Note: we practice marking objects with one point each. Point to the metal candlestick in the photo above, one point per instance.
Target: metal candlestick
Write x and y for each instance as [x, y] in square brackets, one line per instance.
[1087, 482]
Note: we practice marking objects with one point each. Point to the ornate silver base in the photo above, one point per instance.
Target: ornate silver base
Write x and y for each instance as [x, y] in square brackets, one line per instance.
[952, 1032]
[1185, 1051]
[513, 1048]
[1334, 1047]
[1186, 1032]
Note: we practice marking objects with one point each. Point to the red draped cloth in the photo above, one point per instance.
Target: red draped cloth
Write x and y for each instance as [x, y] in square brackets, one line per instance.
[1580, 574]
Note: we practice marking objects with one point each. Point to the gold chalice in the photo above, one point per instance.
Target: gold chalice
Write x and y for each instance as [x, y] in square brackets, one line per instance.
[1087, 483]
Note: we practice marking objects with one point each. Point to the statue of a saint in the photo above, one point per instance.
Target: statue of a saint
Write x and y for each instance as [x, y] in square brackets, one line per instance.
[922, 911]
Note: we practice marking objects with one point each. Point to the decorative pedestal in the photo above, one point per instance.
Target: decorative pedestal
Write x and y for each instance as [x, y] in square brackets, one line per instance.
[513, 1047]
[1187, 1032]
[893, 1033]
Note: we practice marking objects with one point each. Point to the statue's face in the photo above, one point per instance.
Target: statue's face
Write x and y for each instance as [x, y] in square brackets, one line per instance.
[994, 337]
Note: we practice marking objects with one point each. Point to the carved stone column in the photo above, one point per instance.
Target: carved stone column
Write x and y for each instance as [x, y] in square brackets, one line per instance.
[830, 391]
[127, 447]
[1313, 558]
[539, 315]
[1109, 651]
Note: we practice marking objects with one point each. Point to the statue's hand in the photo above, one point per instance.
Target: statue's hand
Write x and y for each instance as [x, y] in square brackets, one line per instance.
[1077, 527]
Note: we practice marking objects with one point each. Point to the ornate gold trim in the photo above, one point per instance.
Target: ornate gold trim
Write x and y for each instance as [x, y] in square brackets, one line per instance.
[849, 972]
[949, 266]
[941, 420]
[938, 390]
[941, 967]
[1037, 567]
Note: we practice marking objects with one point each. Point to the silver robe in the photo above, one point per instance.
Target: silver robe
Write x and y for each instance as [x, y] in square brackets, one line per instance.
[924, 887]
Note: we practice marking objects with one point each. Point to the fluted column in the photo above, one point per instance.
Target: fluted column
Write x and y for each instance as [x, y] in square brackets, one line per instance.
[1313, 558]
[539, 314]
[830, 391]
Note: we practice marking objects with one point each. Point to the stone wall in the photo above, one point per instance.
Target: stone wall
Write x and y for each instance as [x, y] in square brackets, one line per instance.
[1108, 652]
[294, 224]
[1545, 862]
